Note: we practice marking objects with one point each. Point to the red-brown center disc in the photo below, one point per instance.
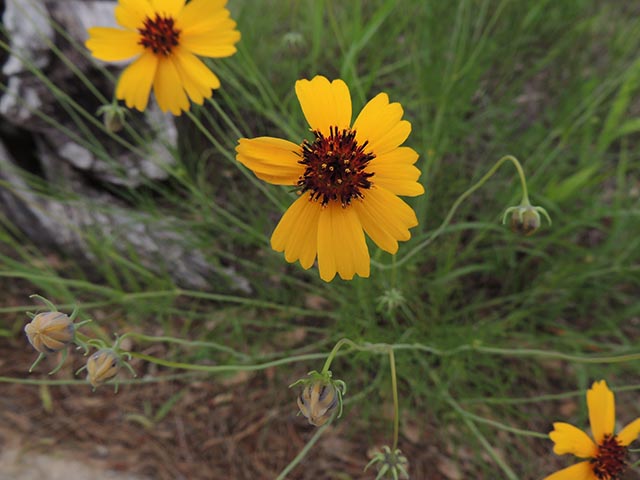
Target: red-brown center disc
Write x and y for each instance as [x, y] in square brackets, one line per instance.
[160, 35]
[611, 461]
[335, 167]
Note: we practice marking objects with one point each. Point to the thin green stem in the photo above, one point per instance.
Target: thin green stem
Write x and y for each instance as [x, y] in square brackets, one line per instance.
[227, 368]
[187, 343]
[489, 448]
[303, 453]
[334, 352]
[396, 407]
[436, 233]
[493, 423]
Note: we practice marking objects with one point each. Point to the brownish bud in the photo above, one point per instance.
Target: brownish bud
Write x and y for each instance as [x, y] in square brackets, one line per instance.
[317, 402]
[50, 332]
[525, 221]
[102, 366]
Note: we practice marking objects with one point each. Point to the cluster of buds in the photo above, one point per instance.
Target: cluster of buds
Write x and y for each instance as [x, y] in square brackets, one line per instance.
[320, 397]
[53, 331]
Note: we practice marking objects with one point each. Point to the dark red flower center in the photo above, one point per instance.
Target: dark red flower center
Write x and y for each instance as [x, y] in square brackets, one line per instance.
[611, 461]
[160, 34]
[335, 167]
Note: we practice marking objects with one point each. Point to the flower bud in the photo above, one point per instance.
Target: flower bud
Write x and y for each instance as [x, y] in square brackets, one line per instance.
[50, 332]
[102, 366]
[317, 402]
[392, 465]
[525, 221]
[525, 218]
[113, 117]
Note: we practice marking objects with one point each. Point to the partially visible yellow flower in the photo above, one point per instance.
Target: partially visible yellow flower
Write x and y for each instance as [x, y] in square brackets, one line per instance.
[607, 453]
[348, 178]
[164, 37]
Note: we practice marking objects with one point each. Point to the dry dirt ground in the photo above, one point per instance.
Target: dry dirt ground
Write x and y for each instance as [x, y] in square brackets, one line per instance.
[240, 427]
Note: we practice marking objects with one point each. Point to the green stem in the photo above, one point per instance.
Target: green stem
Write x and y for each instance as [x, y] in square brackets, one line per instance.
[396, 407]
[489, 448]
[493, 423]
[226, 368]
[334, 352]
[187, 343]
[458, 202]
[303, 452]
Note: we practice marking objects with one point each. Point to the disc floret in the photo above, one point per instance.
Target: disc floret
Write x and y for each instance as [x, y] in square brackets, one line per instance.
[160, 35]
[335, 167]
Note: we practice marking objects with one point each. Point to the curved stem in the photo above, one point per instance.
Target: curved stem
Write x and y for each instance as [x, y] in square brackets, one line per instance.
[334, 352]
[458, 202]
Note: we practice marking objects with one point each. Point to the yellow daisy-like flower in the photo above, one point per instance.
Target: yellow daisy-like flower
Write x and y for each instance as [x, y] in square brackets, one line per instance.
[607, 452]
[348, 178]
[165, 36]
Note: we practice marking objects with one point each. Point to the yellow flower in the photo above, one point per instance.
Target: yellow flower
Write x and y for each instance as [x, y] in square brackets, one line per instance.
[607, 452]
[165, 36]
[348, 180]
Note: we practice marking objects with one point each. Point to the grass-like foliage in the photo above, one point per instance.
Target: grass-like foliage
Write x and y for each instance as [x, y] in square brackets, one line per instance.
[486, 330]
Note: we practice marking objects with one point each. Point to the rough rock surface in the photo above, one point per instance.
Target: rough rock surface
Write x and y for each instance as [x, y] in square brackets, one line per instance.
[51, 89]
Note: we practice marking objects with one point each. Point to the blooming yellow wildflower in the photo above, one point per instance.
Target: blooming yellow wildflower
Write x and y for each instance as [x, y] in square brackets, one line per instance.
[348, 178]
[607, 452]
[165, 36]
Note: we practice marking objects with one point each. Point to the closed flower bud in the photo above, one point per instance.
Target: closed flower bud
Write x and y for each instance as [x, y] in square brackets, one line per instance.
[525, 221]
[113, 117]
[102, 366]
[50, 332]
[525, 218]
[317, 402]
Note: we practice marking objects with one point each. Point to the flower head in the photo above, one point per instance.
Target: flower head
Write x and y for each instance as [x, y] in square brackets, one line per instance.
[102, 366]
[525, 218]
[320, 397]
[50, 332]
[348, 178]
[607, 452]
[164, 37]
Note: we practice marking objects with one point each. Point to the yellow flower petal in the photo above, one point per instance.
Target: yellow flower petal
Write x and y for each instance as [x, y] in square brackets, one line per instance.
[602, 410]
[197, 79]
[168, 8]
[579, 471]
[200, 16]
[324, 104]
[168, 88]
[629, 433]
[385, 218]
[297, 232]
[380, 124]
[216, 43]
[271, 159]
[135, 82]
[570, 439]
[395, 172]
[132, 13]
[113, 44]
[342, 248]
